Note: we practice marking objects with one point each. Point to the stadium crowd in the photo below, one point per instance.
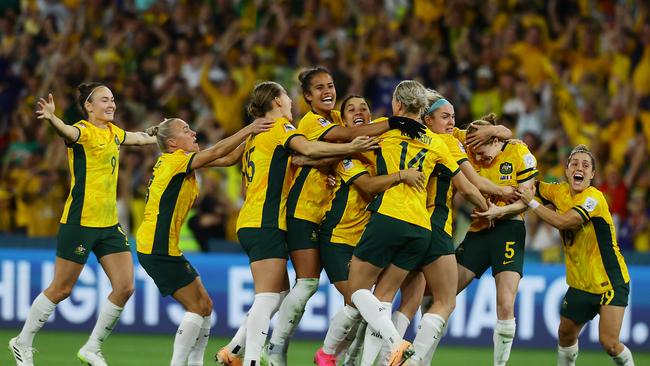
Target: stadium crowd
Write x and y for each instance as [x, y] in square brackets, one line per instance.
[558, 73]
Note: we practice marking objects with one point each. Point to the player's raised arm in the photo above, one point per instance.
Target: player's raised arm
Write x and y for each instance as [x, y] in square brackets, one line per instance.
[45, 110]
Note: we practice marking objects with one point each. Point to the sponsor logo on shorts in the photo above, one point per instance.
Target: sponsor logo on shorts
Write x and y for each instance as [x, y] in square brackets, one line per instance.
[313, 236]
[80, 250]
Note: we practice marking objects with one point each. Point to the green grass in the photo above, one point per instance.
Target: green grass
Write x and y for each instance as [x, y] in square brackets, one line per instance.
[60, 348]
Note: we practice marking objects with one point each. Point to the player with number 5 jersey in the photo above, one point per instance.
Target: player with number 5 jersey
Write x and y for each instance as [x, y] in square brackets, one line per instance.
[496, 238]
[89, 221]
[598, 279]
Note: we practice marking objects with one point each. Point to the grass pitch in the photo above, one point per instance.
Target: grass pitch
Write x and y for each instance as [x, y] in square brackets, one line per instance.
[60, 348]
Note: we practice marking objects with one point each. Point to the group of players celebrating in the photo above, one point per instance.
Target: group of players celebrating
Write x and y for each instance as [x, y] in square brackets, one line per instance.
[369, 201]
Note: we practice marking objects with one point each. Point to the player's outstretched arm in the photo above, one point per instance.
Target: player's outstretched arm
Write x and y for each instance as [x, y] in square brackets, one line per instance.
[45, 110]
[227, 145]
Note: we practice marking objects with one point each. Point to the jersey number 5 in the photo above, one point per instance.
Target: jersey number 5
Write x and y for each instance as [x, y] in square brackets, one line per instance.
[418, 159]
[249, 169]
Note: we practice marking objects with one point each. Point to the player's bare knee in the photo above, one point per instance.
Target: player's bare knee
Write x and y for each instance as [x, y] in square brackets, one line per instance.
[206, 306]
[566, 336]
[56, 294]
[609, 343]
[505, 309]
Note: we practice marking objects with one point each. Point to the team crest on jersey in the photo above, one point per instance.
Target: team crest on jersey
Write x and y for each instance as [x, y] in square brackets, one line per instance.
[590, 204]
[80, 250]
[323, 122]
[347, 164]
[505, 168]
[288, 127]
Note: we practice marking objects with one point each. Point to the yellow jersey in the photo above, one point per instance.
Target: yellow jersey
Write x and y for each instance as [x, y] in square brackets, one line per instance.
[310, 196]
[266, 168]
[514, 165]
[94, 161]
[345, 221]
[594, 262]
[440, 189]
[398, 152]
[171, 193]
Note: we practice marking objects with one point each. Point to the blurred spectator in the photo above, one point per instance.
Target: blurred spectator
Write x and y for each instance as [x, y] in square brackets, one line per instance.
[559, 72]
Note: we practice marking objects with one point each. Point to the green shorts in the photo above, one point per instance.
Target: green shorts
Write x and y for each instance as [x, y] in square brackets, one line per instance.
[301, 234]
[581, 306]
[170, 273]
[75, 242]
[263, 243]
[335, 258]
[441, 244]
[500, 247]
[387, 240]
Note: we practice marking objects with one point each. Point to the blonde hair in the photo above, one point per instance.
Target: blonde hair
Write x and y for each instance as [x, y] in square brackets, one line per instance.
[162, 131]
[412, 95]
[432, 96]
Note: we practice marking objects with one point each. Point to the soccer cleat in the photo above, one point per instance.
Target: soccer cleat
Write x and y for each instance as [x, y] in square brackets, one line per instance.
[91, 358]
[323, 359]
[227, 358]
[401, 354]
[24, 356]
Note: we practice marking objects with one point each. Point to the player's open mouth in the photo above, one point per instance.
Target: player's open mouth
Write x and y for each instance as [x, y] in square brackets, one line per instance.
[327, 100]
[358, 121]
[578, 177]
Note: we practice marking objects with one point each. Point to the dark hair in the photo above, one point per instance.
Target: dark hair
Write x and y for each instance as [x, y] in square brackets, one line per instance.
[347, 100]
[582, 149]
[262, 96]
[85, 91]
[306, 76]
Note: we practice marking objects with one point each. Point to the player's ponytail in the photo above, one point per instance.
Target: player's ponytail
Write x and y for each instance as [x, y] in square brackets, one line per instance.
[162, 131]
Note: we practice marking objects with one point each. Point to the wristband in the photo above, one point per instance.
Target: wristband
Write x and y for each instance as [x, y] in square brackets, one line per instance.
[533, 204]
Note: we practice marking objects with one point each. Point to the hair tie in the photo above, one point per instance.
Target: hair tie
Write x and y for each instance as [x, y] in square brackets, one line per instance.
[439, 103]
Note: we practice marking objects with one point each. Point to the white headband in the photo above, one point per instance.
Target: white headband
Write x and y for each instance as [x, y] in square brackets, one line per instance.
[91, 92]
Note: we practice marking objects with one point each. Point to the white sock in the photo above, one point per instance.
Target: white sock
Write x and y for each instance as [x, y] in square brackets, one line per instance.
[354, 350]
[291, 310]
[427, 302]
[427, 359]
[373, 340]
[429, 334]
[40, 311]
[624, 358]
[186, 336]
[339, 328]
[504, 334]
[108, 316]
[343, 347]
[236, 345]
[566, 356]
[198, 351]
[257, 325]
[401, 323]
[376, 315]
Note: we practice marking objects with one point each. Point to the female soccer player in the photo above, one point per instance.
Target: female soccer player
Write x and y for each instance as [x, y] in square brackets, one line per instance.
[89, 221]
[399, 229]
[344, 222]
[439, 117]
[262, 222]
[171, 193]
[500, 246]
[310, 198]
[598, 280]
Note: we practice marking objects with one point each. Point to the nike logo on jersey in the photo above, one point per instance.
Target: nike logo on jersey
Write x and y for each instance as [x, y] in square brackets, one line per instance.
[507, 262]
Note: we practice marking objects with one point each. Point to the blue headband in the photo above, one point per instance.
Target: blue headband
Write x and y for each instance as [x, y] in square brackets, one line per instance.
[439, 103]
